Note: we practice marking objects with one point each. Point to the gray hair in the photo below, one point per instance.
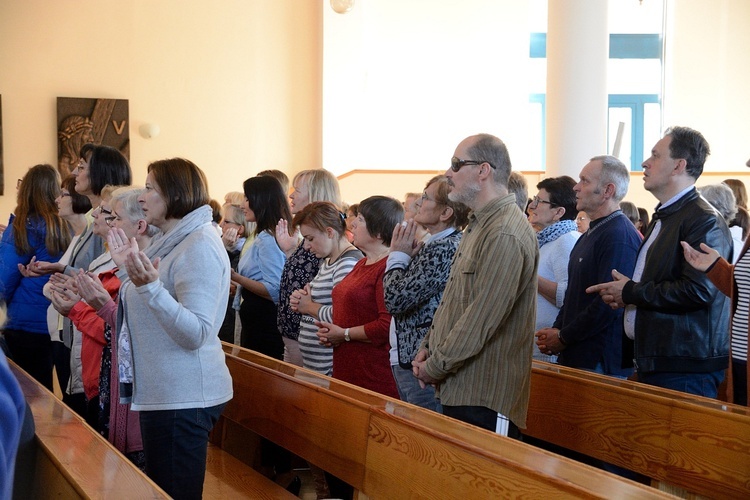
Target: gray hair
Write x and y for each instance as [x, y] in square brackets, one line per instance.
[488, 148]
[721, 197]
[616, 173]
[130, 209]
[518, 186]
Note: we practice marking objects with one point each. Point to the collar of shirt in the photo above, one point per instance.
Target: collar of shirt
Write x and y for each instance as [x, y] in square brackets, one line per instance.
[481, 216]
[675, 198]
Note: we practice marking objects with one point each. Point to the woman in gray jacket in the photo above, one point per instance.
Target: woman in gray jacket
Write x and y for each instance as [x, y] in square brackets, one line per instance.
[171, 309]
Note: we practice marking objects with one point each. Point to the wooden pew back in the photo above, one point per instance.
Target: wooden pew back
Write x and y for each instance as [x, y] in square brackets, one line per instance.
[695, 443]
[71, 459]
[389, 449]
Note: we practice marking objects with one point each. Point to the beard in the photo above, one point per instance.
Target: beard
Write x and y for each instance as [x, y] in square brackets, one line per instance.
[466, 196]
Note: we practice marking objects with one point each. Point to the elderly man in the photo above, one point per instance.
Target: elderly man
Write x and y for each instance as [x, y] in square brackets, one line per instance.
[678, 318]
[587, 333]
[478, 350]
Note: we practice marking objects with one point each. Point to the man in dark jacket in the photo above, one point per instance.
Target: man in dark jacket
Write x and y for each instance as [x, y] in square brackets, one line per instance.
[678, 318]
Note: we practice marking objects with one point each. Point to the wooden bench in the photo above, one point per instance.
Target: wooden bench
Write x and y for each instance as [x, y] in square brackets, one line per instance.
[71, 460]
[388, 449]
[697, 444]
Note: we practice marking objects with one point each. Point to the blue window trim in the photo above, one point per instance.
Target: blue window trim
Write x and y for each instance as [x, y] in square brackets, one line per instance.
[636, 103]
[542, 99]
[621, 46]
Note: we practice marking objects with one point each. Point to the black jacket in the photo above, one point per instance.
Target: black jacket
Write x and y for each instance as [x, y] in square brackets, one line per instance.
[682, 322]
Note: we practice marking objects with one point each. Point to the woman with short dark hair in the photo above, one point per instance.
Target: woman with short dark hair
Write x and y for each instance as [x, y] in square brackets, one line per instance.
[552, 212]
[360, 327]
[172, 366]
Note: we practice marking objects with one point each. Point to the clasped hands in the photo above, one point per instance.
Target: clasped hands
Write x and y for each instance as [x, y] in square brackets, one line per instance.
[404, 238]
[300, 300]
[126, 255]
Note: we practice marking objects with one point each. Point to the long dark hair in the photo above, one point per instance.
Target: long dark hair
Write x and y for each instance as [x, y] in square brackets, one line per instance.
[267, 200]
[107, 166]
[36, 200]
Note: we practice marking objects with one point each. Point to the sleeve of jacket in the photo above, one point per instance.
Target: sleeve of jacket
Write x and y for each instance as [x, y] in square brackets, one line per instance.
[689, 289]
[613, 254]
[488, 307]
[407, 289]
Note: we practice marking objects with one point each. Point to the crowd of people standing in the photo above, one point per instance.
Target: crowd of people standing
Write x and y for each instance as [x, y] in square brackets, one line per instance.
[442, 301]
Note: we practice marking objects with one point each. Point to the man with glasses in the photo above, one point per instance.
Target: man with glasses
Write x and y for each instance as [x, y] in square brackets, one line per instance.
[477, 352]
[587, 333]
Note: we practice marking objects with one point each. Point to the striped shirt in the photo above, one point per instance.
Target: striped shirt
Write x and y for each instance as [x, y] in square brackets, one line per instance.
[740, 319]
[314, 355]
[480, 341]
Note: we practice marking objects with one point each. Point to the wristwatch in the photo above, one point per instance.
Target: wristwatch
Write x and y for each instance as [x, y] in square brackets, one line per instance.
[346, 335]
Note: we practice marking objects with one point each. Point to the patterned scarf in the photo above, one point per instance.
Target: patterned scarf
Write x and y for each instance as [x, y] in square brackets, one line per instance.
[554, 231]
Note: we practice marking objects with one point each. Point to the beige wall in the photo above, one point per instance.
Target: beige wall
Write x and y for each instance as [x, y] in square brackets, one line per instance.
[234, 85]
[237, 85]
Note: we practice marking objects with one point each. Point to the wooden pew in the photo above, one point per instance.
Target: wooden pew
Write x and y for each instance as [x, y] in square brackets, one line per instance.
[71, 459]
[697, 444]
[389, 449]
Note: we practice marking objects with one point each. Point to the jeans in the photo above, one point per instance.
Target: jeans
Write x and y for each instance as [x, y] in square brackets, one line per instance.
[700, 384]
[175, 443]
[409, 390]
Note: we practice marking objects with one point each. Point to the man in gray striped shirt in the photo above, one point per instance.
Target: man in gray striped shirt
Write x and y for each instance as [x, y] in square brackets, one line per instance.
[478, 350]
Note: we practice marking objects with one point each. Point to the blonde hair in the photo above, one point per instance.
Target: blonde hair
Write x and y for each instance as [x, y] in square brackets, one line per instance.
[322, 185]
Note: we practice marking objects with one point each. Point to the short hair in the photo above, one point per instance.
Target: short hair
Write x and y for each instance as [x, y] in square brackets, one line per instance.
[321, 215]
[518, 186]
[460, 216]
[381, 214]
[279, 176]
[561, 194]
[643, 217]
[614, 172]
[267, 200]
[740, 193]
[130, 208]
[322, 185]
[690, 145]
[721, 197]
[353, 208]
[182, 184]
[79, 203]
[487, 147]
[630, 211]
[107, 165]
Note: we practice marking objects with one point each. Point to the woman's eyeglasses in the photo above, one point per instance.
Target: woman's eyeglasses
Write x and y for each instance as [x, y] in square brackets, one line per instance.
[536, 201]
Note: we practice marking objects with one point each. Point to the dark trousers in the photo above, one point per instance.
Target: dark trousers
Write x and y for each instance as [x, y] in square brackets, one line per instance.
[175, 443]
[259, 330]
[481, 417]
[61, 360]
[33, 353]
[739, 381]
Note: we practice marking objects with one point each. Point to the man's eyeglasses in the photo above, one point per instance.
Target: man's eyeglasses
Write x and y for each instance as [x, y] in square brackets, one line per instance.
[536, 201]
[457, 163]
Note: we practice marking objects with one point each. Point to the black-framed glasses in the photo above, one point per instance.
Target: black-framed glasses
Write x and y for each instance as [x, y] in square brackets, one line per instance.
[457, 163]
[536, 201]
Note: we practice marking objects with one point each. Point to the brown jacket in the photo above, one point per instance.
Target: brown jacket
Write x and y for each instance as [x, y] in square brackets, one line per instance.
[721, 274]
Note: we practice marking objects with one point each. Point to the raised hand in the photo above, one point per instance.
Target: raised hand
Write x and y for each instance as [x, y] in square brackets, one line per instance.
[404, 238]
[288, 243]
[700, 260]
